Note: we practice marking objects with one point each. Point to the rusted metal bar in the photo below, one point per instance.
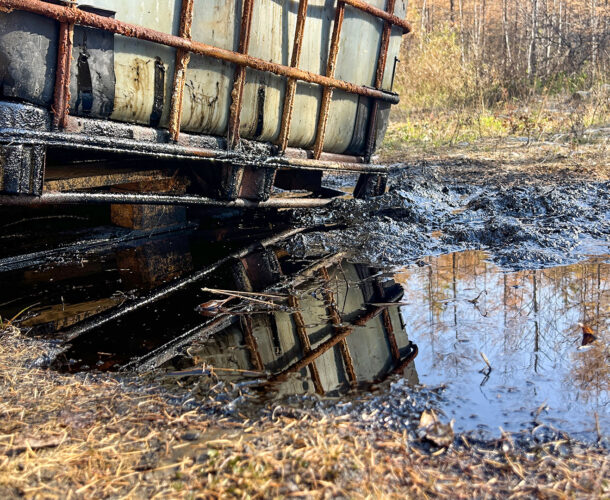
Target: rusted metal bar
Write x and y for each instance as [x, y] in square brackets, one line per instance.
[237, 94]
[341, 334]
[246, 326]
[71, 197]
[299, 321]
[327, 94]
[408, 359]
[385, 15]
[335, 318]
[291, 84]
[383, 49]
[182, 60]
[400, 366]
[389, 330]
[381, 64]
[61, 95]
[92, 20]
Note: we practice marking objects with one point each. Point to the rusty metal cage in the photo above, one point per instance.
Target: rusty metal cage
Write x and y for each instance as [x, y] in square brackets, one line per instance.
[183, 145]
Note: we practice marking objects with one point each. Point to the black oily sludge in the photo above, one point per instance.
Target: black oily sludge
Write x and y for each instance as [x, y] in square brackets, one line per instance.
[525, 226]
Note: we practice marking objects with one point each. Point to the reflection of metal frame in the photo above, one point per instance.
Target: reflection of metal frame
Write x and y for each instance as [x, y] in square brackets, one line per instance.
[339, 338]
[341, 334]
[69, 16]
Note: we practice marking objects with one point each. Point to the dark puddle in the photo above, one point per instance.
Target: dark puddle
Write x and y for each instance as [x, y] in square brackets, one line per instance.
[326, 327]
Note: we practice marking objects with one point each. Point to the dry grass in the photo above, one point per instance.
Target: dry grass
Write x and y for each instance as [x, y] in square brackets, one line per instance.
[66, 436]
[509, 160]
[447, 99]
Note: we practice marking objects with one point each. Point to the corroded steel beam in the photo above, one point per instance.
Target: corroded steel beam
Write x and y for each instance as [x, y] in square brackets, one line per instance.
[381, 64]
[327, 94]
[387, 323]
[83, 18]
[182, 60]
[386, 16]
[61, 95]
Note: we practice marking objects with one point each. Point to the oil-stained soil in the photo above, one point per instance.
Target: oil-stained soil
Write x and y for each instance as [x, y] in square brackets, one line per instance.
[521, 221]
[450, 335]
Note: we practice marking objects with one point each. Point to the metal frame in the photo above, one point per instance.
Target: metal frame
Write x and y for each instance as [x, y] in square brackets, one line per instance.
[70, 15]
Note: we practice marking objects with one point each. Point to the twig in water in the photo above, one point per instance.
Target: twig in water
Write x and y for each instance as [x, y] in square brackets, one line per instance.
[485, 371]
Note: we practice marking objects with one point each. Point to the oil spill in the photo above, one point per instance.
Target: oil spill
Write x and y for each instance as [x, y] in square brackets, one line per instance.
[520, 224]
[224, 305]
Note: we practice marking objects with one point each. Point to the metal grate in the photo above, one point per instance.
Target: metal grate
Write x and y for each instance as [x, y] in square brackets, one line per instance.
[68, 15]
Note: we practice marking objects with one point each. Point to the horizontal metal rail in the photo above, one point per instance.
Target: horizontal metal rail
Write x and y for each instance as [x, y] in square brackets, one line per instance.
[386, 16]
[294, 158]
[73, 197]
[83, 18]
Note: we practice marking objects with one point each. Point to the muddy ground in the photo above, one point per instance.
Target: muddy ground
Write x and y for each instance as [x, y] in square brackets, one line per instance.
[529, 206]
[103, 435]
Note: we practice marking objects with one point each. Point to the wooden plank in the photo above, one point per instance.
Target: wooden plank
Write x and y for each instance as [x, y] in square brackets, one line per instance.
[68, 178]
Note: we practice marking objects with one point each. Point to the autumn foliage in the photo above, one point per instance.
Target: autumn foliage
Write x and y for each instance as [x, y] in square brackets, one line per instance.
[496, 49]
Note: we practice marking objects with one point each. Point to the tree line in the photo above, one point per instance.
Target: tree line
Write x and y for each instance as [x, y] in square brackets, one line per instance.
[523, 42]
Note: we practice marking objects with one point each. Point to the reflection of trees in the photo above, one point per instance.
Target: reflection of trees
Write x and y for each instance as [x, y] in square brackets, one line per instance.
[525, 322]
[591, 374]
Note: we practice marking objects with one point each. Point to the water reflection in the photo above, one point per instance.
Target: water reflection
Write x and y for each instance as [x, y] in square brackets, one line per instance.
[527, 325]
[135, 307]
[335, 325]
[337, 333]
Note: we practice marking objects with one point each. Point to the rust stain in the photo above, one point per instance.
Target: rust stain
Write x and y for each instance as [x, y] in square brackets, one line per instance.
[291, 84]
[61, 96]
[182, 60]
[237, 93]
[381, 64]
[330, 72]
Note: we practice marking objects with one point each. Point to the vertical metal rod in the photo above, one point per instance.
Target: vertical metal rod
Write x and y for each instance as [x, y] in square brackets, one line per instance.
[389, 330]
[251, 343]
[335, 318]
[61, 95]
[299, 321]
[381, 64]
[387, 323]
[237, 93]
[182, 60]
[330, 72]
[291, 84]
